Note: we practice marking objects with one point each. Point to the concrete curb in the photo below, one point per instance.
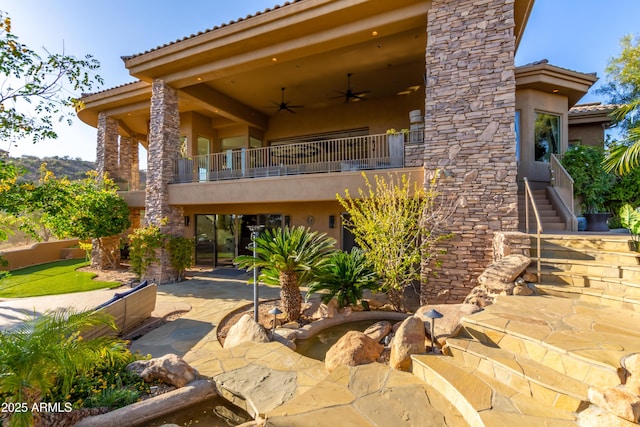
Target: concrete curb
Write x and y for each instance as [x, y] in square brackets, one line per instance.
[147, 410]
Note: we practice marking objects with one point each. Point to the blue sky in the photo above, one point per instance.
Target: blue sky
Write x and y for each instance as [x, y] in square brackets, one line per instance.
[580, 35]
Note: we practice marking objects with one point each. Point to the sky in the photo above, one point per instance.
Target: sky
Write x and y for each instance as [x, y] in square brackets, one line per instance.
[581, 35]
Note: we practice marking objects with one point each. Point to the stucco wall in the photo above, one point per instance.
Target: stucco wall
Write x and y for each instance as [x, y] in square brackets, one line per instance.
[41, 253]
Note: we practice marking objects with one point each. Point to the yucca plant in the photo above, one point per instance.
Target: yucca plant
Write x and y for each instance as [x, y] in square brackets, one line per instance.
[289, 258]
[42, 351]
[345, 277]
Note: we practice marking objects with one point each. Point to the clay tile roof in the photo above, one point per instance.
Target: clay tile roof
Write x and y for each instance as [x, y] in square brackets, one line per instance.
[267, 10]
[592, 107]
[85, 95]
[546, 61]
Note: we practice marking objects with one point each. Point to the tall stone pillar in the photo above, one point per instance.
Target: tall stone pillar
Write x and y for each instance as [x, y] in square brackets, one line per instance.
[107, 147]
[470, 110]
[164, 143]
[135, 165]
[106, 162]
[125, 163]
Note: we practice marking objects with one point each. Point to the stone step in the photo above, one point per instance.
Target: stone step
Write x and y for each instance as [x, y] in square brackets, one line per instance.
[608, 242]
[591, 269]
[601, 256]
[581, 340]
[483, 401]
[594, 296]
[611, 284]
[519, 372]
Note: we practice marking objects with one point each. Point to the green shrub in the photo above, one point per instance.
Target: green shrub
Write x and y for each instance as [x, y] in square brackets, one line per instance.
[590, 181]
[344, 277]
[180, 254]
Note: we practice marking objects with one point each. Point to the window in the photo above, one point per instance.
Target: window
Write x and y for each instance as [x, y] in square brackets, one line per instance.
[547, 136]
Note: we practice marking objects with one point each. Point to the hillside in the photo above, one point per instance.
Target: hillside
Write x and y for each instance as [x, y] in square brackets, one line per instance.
[60, 166]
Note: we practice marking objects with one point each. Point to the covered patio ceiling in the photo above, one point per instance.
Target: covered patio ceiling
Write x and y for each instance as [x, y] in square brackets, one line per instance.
[235, 73]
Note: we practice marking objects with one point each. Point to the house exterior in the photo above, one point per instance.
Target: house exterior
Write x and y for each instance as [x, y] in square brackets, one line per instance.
[263, 120]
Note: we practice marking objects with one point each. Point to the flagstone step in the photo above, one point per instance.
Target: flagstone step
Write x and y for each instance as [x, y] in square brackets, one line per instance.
[519, 372]
[484, 401]
[581, 340]
[625, 257]
[615, 299]
[612, 284]
[605, 242]
[591, 268]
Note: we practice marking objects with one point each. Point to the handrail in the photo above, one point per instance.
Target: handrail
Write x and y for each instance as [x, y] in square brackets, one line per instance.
[563, 184]
[528, 198]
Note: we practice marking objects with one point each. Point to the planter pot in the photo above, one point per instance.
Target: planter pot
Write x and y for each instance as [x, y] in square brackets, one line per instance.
[597, 221]
[582, 223]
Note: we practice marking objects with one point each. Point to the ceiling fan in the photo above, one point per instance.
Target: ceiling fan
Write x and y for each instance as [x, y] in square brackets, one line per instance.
[282, 105]
[351, 96]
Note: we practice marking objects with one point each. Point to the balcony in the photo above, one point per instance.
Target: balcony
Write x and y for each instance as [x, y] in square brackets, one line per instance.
[336, 155]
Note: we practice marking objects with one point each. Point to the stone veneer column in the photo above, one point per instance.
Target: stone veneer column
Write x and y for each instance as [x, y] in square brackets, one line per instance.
[470, 110]
[135, 165]
[106, 162]
[164, 142]
[124, 163]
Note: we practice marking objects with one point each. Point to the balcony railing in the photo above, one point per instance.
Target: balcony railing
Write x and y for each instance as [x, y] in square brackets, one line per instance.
[335, 155]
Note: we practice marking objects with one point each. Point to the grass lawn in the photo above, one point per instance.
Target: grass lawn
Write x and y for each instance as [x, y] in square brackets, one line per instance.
[53, 278]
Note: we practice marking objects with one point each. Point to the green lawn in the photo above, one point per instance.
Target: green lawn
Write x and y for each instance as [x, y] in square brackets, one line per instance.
[53, 278]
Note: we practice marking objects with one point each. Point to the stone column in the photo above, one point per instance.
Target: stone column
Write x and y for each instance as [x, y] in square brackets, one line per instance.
[107, 148]
[106, 162]
[164, 143]
[135, 165]
[125, 163]
[470, 109]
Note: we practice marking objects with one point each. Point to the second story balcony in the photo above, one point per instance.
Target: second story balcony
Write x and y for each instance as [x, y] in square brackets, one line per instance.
[334, 155]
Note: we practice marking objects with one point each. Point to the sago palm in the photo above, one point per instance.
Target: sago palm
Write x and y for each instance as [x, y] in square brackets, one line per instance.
[345, 277]
[39, 352]
[290, 258]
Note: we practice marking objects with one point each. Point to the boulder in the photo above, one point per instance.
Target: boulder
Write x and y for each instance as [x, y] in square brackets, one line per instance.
[169, 369]
[631, 365]
[597, 417]
[245, 330]
[353, 349]
[378, 330]
[618, 401]
[450, 324]
[408, 340]
[506, 269]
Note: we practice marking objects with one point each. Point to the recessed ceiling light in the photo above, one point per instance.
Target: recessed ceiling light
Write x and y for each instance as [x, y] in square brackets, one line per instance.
[556, 91]
[274, 59]
[374, 33]
[199, 79]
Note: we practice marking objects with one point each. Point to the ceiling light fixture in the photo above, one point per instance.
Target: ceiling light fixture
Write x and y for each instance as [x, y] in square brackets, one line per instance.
[374, 33]
[274, 59]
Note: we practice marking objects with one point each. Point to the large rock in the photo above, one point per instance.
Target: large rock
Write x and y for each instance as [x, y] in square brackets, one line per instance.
[169, 369]
[450, 324]
[408, 340]
[618, 401]
[505, 270]
[378, 330]
[632, 367]
[245, 330]
[353, 349]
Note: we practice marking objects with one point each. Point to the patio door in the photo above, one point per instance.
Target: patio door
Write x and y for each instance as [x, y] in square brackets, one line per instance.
[215, 240]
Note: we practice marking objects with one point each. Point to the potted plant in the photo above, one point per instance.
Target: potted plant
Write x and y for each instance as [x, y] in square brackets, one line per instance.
[591, 183]
[630, 218]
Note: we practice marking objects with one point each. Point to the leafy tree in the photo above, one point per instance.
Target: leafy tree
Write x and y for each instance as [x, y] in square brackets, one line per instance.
[399, 225]
[48, 350]
[290, 258]
[87, 209]
[623, 88]
[33, 92]
[591, 183]
[344, 277]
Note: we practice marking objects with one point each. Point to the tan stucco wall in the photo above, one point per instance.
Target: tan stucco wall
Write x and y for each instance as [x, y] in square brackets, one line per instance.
[529, 102]
[587, 134]
[41, 253]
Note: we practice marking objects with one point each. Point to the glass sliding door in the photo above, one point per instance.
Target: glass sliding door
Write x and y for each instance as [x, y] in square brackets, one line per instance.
[205, 239]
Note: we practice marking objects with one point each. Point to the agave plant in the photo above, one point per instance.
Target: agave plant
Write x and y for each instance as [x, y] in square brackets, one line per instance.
[290, 258]
[42, 351]
[345, 277]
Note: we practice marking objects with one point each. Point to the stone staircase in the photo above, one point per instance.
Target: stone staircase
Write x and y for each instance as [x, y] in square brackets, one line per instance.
[596, 268]
[549, 218]
[531, 361]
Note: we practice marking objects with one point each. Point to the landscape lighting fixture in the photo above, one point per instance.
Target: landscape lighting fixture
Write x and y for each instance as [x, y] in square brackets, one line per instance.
[433, 315]
[255, 231]
[275, 311]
